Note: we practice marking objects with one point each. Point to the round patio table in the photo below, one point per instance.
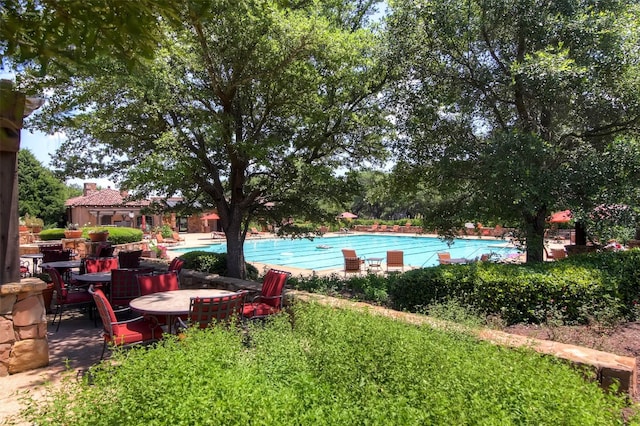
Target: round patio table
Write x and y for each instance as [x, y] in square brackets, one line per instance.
[61, 264]
[94, 277]
[172, 303]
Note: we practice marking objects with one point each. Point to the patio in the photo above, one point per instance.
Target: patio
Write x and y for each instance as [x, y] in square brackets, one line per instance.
[77, 346]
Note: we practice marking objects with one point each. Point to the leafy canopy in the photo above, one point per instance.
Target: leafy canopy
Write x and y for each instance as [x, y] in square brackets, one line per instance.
[250, 107]
[40, 193]
[510, 109]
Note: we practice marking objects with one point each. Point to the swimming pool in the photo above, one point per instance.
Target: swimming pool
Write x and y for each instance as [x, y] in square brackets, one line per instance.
[308, 254]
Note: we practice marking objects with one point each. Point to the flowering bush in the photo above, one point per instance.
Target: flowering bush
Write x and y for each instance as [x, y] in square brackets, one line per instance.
[72, 227]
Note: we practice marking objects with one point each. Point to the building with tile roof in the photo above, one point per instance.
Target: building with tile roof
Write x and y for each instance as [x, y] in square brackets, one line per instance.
[110, 207]
[107, 207]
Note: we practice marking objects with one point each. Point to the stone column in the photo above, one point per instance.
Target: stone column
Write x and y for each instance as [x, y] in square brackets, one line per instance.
[23, 327]
[23, 322]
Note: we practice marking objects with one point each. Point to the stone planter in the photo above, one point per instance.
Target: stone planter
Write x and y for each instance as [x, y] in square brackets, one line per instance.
[97, 237]
[149, 253]
[73, 233]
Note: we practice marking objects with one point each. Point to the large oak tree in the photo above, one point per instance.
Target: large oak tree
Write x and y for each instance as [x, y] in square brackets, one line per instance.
[510, 109]
[251, 107]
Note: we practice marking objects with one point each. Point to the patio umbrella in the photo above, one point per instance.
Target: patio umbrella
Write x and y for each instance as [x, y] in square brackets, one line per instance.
[347, 215]
[210, 216]
[560, 217]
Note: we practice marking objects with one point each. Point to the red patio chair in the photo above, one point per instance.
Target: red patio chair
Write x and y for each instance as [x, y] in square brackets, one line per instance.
[102, 264]
[124, 286]
[104, 249]
[206, 311]
[129, 259]
[270, 299]
[24, 269]
[49, 246]
[176, 265]
[166, 281]
[123, 333]
[56, 255]
[66, 296]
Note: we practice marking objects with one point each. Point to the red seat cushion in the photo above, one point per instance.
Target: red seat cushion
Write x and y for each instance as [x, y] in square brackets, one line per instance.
[155, 283]
[73, 297]
[133, 332]
[258, 309]
[104, 264]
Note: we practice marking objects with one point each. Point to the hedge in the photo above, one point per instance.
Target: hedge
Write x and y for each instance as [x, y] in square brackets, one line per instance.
[117, 235]
[577, 288]
[215, 263]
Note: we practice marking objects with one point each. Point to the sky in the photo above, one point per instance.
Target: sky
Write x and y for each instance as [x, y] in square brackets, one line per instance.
[44, 146]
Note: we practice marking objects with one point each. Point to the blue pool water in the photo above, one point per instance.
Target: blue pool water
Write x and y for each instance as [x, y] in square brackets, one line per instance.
[306, 254]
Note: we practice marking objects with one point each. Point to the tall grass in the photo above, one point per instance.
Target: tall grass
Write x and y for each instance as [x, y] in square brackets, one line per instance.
[323, 366]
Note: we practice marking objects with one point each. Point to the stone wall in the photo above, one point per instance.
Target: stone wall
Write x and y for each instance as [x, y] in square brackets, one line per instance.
[23, 327]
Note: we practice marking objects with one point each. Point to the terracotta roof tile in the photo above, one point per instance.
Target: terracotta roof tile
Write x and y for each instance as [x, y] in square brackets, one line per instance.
[104, 197]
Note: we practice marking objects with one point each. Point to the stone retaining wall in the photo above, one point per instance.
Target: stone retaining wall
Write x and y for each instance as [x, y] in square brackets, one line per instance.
[23, 327]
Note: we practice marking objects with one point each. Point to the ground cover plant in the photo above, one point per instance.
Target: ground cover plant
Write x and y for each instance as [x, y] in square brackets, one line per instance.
[599, 287]
[327, 366]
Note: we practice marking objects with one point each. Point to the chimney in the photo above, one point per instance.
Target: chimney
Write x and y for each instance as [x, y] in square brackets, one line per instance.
[89, 188]
[124, 193]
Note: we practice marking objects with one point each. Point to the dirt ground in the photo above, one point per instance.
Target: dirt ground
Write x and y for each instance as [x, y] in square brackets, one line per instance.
[621, 340]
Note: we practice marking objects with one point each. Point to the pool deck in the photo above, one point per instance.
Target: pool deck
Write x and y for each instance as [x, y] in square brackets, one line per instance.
[198, 240]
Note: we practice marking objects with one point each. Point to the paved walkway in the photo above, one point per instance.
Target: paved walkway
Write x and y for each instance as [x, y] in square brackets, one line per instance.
[74, 348]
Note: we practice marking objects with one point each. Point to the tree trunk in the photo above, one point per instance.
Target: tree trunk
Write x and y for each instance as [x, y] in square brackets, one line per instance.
[236, 267]
[581, 234]
[535, 237]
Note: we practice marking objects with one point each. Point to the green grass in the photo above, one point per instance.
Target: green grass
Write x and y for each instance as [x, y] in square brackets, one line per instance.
[330, 367]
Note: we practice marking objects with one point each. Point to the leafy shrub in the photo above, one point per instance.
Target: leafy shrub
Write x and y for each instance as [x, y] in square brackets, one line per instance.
[580, 288]
[117, 235]
[52, 234]
[120, 235]
[164, 230]
[370, 287]
[600, 287]
[333, 367]
[215, 263]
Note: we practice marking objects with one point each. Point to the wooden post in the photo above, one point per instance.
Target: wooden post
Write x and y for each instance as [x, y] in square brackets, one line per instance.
[14, 106]
[11, 114]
